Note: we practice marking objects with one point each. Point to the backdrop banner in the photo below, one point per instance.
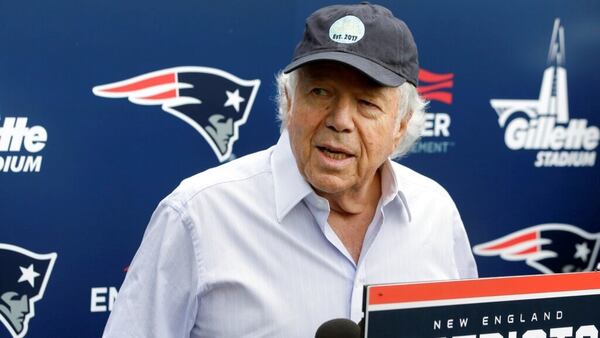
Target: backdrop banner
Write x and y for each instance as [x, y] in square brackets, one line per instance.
[99, 120]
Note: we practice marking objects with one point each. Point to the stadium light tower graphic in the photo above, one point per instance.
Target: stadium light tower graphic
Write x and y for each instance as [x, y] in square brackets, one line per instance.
[553, 99]
[544, 124]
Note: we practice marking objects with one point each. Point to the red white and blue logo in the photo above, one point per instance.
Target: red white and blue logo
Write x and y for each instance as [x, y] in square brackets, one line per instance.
[549, 248]
[212, 101]
[437, 89]
[23, 279]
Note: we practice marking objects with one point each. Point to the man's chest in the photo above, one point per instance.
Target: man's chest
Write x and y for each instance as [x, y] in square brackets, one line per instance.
[285, 279]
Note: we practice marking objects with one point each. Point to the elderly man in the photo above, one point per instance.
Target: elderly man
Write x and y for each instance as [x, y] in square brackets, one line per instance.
[275, 243]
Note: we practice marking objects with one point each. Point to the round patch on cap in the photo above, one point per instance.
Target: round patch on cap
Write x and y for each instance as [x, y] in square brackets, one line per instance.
[348, 29]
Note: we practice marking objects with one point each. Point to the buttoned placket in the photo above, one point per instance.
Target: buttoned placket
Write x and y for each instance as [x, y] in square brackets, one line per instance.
[361, 273]
[356, 272]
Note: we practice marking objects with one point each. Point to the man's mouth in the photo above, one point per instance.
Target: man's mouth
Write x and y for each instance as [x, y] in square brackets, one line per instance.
[334, 154]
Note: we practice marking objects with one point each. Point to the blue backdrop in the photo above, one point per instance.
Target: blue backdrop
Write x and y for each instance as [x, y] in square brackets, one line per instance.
[80, 173]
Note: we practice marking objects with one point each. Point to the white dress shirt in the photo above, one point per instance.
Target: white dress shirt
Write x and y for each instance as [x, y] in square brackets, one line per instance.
[245, 250]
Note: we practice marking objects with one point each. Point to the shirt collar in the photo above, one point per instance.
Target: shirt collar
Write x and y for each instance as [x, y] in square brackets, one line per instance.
[291, 188]
[391, 187]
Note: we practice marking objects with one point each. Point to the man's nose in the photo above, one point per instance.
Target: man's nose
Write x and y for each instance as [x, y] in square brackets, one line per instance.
[340, 118]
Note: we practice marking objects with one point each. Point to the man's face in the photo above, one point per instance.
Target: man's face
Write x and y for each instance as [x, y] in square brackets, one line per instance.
[342, 127]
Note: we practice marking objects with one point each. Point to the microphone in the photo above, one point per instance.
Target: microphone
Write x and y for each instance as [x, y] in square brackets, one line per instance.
[338, 328]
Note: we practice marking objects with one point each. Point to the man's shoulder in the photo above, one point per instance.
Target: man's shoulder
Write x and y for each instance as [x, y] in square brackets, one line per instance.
[230, 175]
[415, 182]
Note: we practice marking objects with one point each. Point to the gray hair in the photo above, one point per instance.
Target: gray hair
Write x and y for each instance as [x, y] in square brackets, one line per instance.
[409, 99]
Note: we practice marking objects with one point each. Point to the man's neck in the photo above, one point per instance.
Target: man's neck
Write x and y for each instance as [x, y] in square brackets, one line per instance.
[360, 200]
[352, 212]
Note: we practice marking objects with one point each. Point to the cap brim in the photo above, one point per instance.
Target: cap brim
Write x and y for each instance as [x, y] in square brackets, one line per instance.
[373, 70]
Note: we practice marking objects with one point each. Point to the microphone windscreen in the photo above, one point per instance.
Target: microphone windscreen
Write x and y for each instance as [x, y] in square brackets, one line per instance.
[338, 328]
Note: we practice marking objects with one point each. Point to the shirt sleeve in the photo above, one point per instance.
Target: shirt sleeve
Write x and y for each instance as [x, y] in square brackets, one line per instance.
[463, 255]
[159, 297]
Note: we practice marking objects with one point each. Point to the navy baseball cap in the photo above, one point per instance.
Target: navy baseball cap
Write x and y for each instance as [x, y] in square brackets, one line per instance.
[365, 36]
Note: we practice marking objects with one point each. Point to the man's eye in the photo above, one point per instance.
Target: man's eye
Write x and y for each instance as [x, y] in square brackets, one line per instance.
[368, 103]
[319, 91]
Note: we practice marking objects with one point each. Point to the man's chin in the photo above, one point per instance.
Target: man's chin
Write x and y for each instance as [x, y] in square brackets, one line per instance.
[329, 184]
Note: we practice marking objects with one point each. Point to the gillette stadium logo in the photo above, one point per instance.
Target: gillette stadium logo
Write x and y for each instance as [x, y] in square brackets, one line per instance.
[548, 248]
[435, 87]
[20, 145]
[23, 279]
[544, 124]
[212, 101]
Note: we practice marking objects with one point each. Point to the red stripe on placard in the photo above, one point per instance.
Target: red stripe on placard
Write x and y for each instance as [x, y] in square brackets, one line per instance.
[485, 287]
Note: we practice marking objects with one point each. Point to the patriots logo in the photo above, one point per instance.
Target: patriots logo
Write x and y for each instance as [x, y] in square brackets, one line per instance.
[23, 279]
[549, 248]
[212, 101]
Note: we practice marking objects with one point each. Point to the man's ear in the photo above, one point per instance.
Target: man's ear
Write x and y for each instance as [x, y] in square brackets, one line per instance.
[288, 102]
[402, 127]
